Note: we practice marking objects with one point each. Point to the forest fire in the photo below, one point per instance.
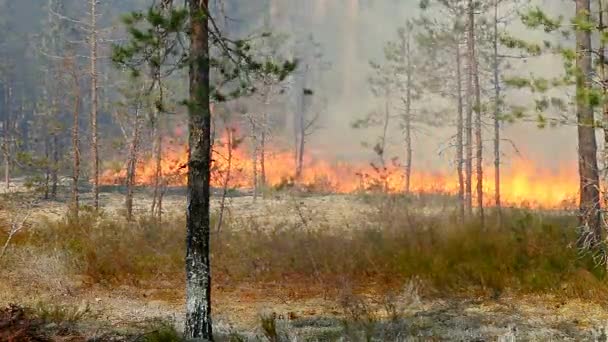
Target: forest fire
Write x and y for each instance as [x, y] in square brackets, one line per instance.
[523, 183]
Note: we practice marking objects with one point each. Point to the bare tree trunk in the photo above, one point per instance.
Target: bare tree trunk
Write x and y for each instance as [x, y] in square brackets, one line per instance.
[55, 169]
[296, 145]
[265, 126]
[459, 136]
[158, 173]
[132, 164]
[408, 116]
[478, 127]
[387, 118]
[496, 115]
[74, 205]
[263, 155]
[47, 167]
[477, 108]
[254, 156]
[6, 149]
[300, 124]
[198, 267]
[230, 144]
[302, 145]
[94, 102]
[7, 163]
[604, 78]
[382, 149]
[468, 125]
[588, 170]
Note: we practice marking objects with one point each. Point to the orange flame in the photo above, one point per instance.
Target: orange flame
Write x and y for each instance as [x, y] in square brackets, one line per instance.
[523, 183]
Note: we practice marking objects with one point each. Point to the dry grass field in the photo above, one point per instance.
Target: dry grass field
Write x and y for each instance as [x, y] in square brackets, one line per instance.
[293, 266]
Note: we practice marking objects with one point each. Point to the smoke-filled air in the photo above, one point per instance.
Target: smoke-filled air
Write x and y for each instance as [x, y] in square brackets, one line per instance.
[318, 170]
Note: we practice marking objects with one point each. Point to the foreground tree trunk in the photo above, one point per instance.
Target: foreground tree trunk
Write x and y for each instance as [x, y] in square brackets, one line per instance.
[198, 270]
[587, 146]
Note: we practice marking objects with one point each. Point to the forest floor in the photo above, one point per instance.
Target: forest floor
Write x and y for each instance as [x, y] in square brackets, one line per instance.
[306, 310]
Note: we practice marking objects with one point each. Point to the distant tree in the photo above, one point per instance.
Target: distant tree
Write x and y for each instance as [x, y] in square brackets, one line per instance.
[448, 31]
[73, 80]
[309, 104]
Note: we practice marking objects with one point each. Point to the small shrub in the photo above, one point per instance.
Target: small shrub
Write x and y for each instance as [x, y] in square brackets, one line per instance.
[268, 323]
[163, 332]
[61, 314]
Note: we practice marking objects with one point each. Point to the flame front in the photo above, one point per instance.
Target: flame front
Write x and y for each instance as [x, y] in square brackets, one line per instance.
[523, 183]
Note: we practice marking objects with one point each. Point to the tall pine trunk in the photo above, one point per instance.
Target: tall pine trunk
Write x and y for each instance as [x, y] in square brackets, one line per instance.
[94, 102]
[497, 101]
[587, 149]
[198, 267]
[459, 135]
[469, 118]
[408, 114]
[74, 201]
[478, 133]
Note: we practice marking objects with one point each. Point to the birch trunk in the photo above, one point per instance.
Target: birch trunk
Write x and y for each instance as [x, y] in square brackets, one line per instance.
[132, 164]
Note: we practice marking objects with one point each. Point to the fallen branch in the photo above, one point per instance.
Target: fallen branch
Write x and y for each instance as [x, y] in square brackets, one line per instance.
[15, 228]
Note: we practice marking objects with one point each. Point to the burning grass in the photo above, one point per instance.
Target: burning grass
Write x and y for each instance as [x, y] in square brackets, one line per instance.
[523, 181]
[529, 252]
